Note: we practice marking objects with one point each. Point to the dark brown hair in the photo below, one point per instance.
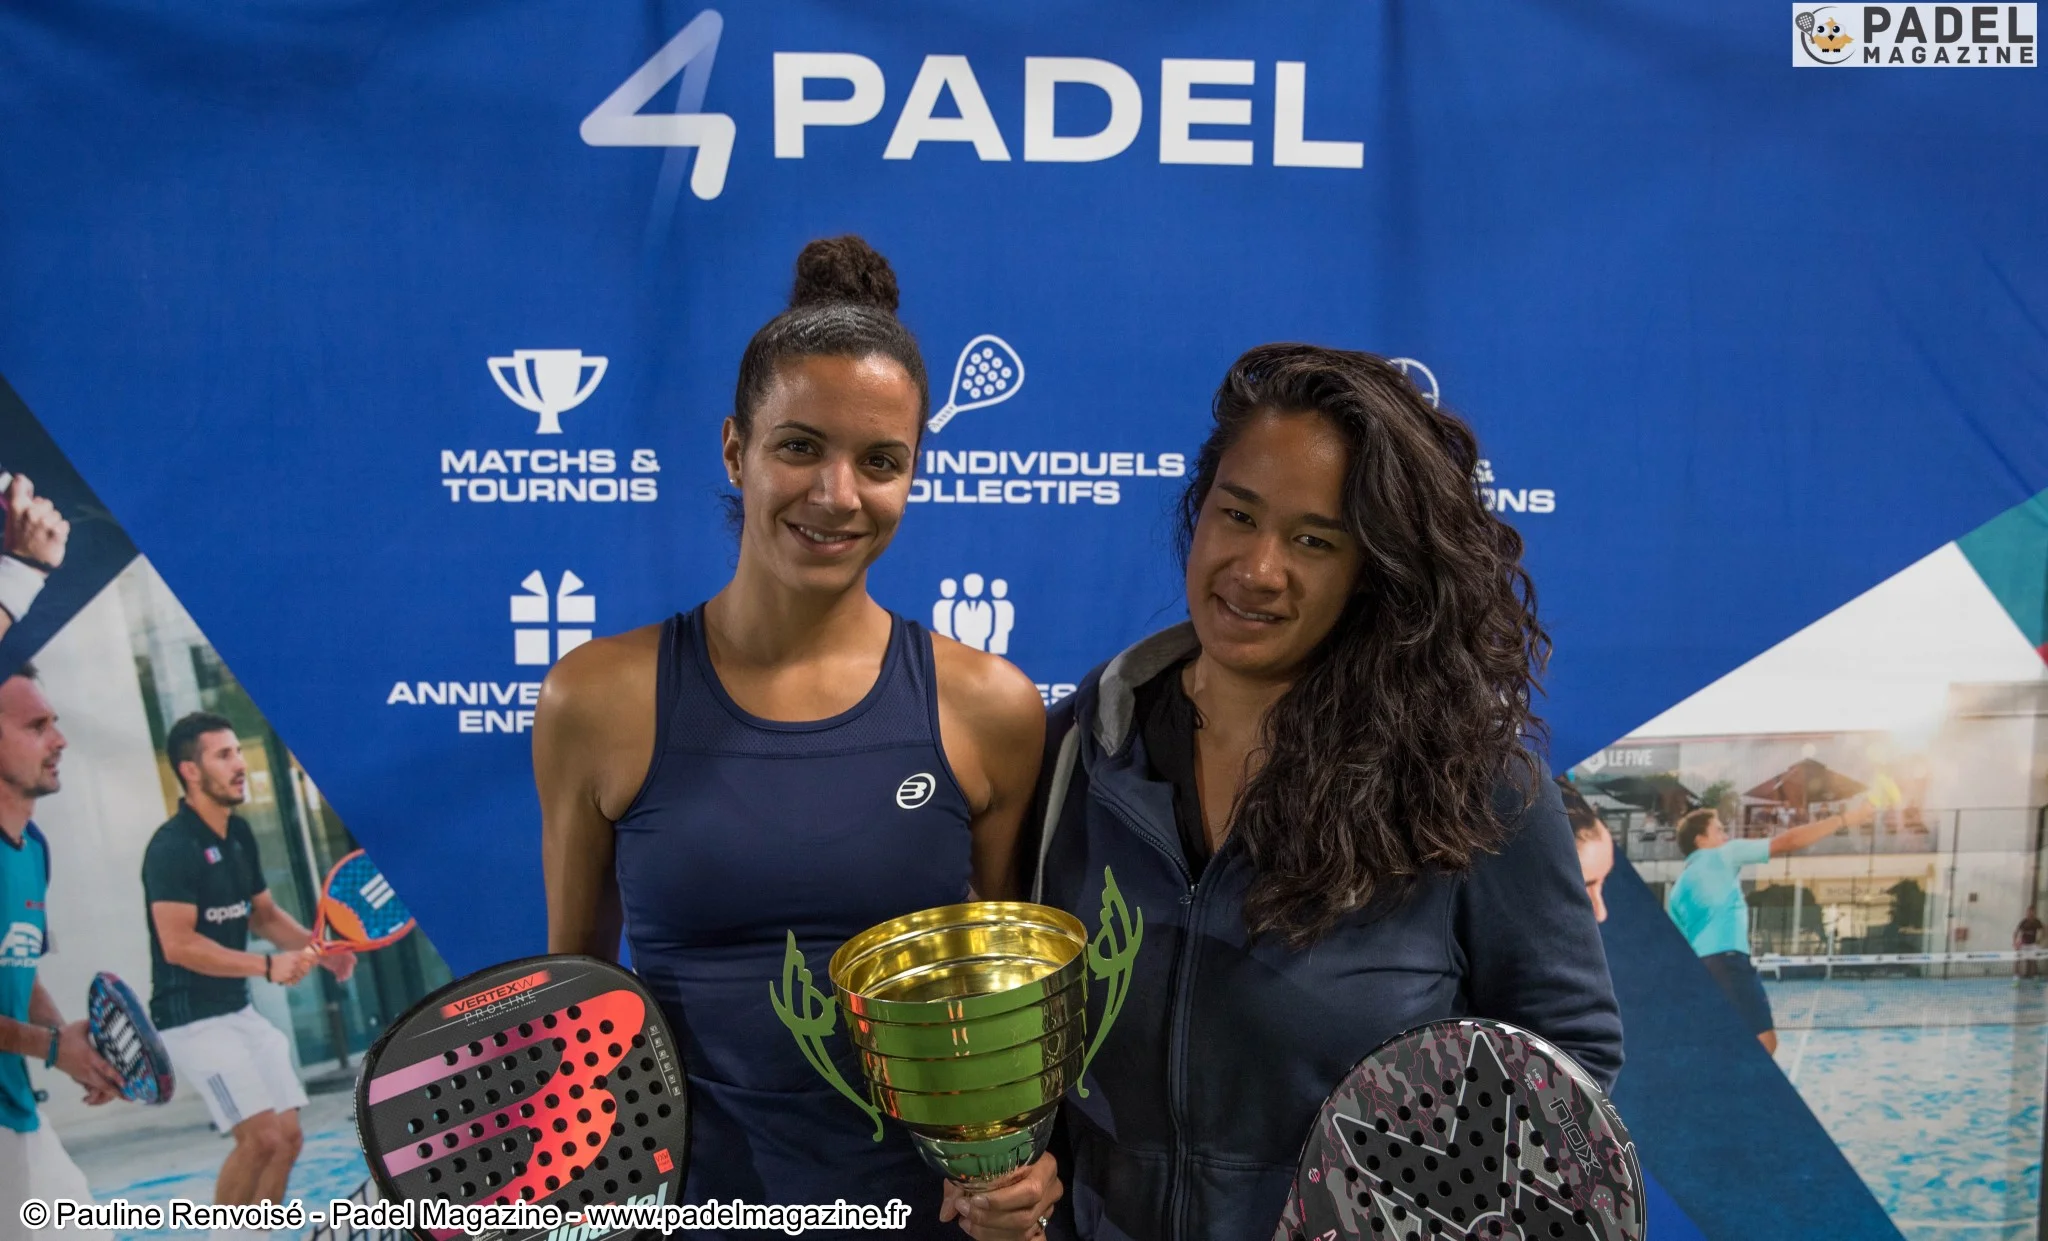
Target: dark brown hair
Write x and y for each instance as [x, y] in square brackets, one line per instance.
[1693, 826]
[1586, 821]
[1382, 760]
[842, 305]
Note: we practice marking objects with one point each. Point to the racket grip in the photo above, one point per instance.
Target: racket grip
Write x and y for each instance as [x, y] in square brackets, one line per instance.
[940, 419]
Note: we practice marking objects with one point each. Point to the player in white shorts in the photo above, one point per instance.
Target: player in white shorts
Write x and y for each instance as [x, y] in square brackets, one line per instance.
[204, 885]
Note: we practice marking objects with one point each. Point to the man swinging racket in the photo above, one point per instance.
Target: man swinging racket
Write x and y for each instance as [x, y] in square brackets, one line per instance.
[203, 881]
[1708, 905]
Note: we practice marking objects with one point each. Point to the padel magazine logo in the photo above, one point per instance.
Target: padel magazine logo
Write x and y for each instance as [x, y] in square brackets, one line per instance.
[1914, 36]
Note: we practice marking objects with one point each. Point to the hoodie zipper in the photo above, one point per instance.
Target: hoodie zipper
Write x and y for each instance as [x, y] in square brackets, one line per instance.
[1177, 1037]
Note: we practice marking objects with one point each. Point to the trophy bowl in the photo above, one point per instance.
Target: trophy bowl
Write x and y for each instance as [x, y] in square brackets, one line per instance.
[970, 1022]
[970, 1027]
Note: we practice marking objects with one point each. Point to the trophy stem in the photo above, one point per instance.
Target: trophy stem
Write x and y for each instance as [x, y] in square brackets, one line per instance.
[985, 1156]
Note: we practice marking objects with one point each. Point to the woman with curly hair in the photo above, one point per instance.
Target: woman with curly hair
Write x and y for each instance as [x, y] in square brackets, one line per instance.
[1320, 793]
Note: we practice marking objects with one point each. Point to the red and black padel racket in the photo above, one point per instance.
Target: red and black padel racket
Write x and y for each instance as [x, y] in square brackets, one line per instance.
[1472, 1130]
[549, 1080]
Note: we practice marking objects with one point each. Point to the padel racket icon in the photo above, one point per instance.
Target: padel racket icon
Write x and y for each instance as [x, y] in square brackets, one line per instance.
[122, 1033]
[1466, 1129]
[359, 909]
[553, 1080]
[989, 372]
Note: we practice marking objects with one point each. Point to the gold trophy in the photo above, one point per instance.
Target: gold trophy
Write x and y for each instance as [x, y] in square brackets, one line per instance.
[970, 1021]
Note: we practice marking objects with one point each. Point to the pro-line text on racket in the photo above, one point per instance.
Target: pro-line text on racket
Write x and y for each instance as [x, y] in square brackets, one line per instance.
[177, 1214]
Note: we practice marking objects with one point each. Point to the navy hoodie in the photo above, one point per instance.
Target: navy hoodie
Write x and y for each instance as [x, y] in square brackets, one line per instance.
[1203, 1094]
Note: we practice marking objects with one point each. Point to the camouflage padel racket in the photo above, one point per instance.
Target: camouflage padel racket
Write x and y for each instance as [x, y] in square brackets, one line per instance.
[1471, 1130]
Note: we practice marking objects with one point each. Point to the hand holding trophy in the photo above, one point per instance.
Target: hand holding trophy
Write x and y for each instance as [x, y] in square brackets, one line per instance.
[970, 1021]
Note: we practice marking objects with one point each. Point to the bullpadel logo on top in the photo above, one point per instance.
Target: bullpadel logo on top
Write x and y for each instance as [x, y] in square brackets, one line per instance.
[1913, 36]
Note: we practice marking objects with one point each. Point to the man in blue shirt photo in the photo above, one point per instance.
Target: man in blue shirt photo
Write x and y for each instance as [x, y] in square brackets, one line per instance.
[1708, 905]
[33, 1163]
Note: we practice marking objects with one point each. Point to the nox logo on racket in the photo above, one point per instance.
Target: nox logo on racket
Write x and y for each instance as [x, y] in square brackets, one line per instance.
[1466, 1129]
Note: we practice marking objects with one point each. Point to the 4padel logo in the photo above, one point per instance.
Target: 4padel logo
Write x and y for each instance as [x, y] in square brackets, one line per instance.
[503, 991]
[945, 104]
[1913, 36]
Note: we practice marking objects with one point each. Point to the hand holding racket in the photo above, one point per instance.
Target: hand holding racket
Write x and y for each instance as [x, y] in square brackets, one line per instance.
[1466, 1129]
[554, 1079]
[119, 1029]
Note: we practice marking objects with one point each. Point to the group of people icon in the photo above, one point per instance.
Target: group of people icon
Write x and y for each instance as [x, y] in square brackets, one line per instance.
[983, 624]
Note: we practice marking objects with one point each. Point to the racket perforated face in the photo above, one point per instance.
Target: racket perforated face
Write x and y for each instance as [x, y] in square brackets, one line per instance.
[360, 908]
[553, 1079]
[124, 1036]
[1471, 1130]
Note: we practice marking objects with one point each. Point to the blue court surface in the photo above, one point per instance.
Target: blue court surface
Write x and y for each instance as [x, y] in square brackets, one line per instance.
[1933, 1089]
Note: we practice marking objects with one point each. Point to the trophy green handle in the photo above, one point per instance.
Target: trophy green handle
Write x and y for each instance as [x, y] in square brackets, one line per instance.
[1111, 954]
[809, 1014]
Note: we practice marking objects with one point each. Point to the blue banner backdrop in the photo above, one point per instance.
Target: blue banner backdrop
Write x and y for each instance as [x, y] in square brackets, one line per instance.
[399, 336]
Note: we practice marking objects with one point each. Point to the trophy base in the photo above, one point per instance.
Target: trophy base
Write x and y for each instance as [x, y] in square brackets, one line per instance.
[982, 1160]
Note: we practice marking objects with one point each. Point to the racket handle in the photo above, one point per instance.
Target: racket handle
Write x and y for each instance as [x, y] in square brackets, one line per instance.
[940, 419]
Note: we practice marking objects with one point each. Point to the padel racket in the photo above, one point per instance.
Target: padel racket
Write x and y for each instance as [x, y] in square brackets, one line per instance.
[989, 372]
[550, 1080]
[1466, 1129]
[359, 909]
[122, 1033]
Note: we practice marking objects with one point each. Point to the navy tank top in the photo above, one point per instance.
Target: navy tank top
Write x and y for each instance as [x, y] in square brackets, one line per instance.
[748, 829]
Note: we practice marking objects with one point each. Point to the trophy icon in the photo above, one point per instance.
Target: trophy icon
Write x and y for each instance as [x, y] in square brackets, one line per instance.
[970, 1022]
[550, 382]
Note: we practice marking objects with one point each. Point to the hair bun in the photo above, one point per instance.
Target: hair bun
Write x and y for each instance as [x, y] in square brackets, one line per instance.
[843, 269]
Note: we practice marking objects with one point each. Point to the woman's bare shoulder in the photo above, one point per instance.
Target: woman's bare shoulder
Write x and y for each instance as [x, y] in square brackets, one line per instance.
[592, 681]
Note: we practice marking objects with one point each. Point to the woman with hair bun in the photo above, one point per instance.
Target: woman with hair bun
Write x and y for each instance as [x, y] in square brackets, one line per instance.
[1319, 791]
[790, 756]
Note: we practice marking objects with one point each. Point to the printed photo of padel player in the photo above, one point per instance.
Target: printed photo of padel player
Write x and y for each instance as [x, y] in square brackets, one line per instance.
[33, 1161]
[203, 880]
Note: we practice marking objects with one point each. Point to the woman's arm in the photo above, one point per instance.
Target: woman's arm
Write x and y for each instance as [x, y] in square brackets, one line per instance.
[593, 740]
[1533, 956]
[992, 725]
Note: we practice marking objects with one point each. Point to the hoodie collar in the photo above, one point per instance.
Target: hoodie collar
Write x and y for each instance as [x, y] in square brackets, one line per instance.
[1117, 692]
